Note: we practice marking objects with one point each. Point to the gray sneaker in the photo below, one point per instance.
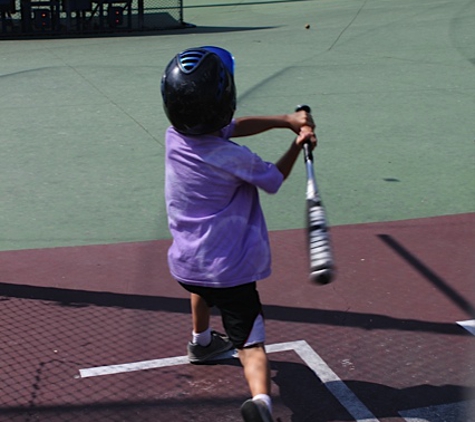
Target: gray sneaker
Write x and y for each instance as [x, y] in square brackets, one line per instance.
[255, 411]
[201, 354]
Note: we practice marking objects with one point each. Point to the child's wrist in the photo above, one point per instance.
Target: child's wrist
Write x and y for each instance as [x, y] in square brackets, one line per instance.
[288, 121]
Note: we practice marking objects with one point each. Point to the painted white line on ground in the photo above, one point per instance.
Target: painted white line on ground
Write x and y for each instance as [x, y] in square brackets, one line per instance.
[132, 367]
[331, 380]
[469, 325]
[161, 363]
[311, 358]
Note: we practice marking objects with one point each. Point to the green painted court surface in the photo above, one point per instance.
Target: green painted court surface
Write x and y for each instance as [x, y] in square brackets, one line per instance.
[391, 84]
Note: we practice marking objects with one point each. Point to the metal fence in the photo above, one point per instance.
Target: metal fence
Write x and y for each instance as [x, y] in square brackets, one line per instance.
[64, 17]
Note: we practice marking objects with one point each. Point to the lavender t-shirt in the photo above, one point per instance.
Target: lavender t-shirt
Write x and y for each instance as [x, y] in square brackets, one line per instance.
[219, 232]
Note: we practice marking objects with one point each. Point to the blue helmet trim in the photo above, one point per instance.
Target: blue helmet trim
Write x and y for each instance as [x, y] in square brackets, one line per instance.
[225, 56]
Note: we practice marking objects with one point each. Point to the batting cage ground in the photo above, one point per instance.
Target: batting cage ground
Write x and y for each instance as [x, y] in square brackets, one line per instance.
[93, 327]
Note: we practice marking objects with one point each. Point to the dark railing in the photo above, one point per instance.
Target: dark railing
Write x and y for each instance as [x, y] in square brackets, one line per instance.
[20, 18]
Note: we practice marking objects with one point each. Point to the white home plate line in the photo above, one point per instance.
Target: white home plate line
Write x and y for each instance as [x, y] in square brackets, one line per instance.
[469, 325]
[334, 384]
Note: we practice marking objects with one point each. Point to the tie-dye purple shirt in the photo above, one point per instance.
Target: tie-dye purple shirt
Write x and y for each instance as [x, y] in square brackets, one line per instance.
[219, 232]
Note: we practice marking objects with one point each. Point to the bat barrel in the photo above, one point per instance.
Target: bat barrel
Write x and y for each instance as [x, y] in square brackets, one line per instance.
[321, 258]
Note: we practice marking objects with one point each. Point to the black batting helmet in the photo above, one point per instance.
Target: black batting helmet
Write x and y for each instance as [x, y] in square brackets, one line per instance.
[198, 91]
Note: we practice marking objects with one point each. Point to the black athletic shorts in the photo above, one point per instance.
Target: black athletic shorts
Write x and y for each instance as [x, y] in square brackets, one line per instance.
[239, 307]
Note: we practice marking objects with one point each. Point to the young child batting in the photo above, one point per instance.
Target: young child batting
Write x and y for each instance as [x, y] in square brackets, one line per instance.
[220, 241]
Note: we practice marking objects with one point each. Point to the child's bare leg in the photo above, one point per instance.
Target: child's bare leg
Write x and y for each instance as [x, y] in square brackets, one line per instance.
[257, 373]
[205, 344]
[256, 369]
[200, 313]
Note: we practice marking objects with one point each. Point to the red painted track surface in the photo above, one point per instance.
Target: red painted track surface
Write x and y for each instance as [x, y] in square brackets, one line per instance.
[386, 327]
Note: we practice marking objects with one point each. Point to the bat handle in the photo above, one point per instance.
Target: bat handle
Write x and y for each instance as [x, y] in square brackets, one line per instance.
[307, 152]
[308, 156]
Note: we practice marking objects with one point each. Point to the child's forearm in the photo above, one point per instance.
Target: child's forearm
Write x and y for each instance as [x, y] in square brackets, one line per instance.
[287, 161]
[247, 126]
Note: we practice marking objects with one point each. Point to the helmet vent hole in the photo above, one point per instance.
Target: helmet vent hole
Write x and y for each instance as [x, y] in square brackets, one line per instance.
[190, 59]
